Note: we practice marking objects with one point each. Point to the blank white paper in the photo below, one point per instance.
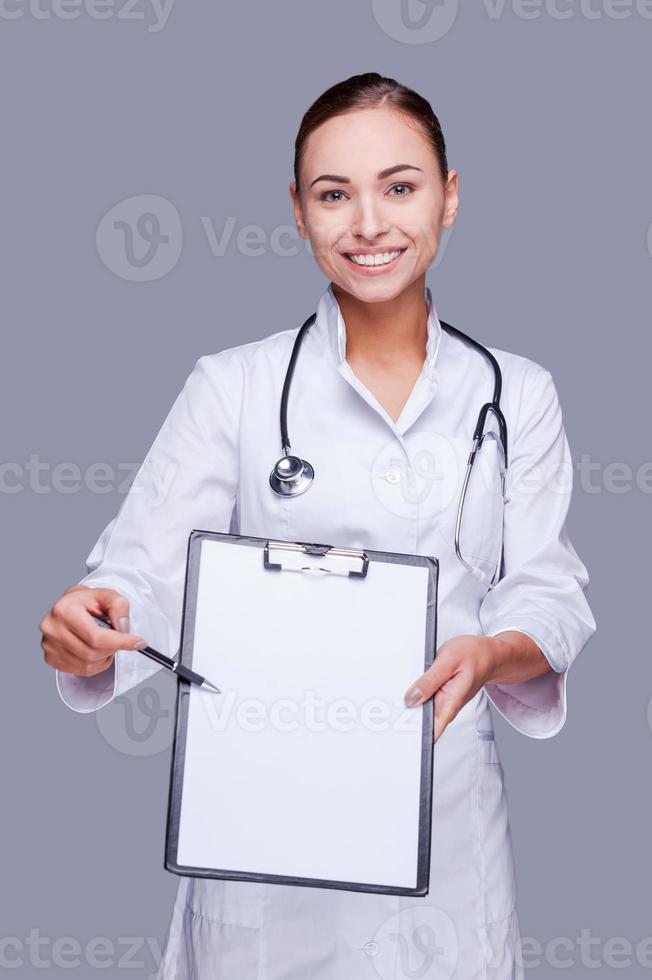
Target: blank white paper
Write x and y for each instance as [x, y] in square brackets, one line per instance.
[308, 764]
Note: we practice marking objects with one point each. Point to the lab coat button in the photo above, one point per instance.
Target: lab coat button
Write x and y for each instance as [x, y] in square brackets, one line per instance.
[371, 949]
[393, 475]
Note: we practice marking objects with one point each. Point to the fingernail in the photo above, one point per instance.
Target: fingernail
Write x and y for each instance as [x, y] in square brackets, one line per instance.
[123, 624]
[413, 696]
[140, 643]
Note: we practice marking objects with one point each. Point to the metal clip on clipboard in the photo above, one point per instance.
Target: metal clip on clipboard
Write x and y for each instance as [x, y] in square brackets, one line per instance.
[291, 556]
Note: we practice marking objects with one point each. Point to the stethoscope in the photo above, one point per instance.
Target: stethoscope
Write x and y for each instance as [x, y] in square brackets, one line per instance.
[292, 475]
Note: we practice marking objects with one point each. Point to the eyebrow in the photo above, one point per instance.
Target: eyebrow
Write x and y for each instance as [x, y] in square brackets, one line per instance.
[381, 175]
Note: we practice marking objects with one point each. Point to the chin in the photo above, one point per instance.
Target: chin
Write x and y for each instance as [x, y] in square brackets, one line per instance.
[374, 290]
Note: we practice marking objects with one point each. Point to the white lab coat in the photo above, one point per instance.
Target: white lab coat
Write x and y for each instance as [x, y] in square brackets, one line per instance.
[374, 487]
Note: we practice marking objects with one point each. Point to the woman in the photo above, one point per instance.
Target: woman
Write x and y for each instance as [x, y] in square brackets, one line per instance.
[383, 394]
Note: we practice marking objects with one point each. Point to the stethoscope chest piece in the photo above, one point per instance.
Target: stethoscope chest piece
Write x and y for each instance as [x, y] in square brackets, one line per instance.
[291, 476]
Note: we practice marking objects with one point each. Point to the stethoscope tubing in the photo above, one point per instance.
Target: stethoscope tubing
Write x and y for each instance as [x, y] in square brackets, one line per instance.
[300, 472]
[285, 438]
[494, 404]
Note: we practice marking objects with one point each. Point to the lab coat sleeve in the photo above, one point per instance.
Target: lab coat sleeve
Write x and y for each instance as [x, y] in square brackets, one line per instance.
[187, 480]
[542, 591]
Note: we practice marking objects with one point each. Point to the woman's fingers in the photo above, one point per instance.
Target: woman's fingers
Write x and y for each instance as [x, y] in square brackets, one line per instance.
[447, 704]
[66, 657]
[425, 686]
[74, 643]
[449, 680]
[111, 605]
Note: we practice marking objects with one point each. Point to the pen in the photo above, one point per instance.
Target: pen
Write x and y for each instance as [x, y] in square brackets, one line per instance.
[185, 673]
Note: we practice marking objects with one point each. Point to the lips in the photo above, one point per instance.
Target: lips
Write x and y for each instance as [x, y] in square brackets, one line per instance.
[377, 259]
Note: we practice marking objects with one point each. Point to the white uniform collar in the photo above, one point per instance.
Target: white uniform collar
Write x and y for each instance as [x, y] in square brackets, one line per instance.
[331, 322]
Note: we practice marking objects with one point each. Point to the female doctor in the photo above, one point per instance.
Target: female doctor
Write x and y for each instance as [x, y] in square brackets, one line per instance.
[383, 404]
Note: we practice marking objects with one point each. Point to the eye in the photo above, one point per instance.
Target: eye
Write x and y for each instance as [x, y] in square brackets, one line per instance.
[324, 196]
[410, 188]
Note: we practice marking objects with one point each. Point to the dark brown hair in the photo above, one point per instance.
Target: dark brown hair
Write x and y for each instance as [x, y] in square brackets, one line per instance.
[371, 91]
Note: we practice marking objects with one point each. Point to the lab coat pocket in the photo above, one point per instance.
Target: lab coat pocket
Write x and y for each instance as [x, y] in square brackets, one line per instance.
[487, 747]
[501, 942]
[236, 903]
[216, 950]
[221, 932]
[495, 840]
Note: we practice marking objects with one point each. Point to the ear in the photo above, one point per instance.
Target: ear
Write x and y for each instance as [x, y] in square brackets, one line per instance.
[298, 210]
[452, 199]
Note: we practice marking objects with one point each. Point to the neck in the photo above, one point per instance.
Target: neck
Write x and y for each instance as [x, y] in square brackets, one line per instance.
[386, 331]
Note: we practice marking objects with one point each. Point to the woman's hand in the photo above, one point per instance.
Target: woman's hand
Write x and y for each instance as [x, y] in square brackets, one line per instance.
[73, 643]
[465, 663]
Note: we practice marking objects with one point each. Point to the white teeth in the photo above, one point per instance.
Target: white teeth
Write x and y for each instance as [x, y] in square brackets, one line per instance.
[381, 259]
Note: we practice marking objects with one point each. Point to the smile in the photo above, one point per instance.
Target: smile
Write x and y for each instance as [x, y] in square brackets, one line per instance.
[379, 260]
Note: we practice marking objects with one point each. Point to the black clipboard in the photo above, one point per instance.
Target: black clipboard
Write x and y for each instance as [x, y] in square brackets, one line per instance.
[288, 558]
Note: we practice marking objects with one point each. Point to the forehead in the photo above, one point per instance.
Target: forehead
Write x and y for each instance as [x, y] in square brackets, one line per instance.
[366, 140]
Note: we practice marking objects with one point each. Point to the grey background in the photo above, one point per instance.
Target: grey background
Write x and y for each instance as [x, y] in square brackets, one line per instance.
[547, 119]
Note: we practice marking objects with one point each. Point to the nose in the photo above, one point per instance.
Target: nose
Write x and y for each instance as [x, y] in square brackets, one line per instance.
[369, 220]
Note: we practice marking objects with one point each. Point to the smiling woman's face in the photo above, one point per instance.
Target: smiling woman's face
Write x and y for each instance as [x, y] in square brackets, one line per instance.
[351, 204]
